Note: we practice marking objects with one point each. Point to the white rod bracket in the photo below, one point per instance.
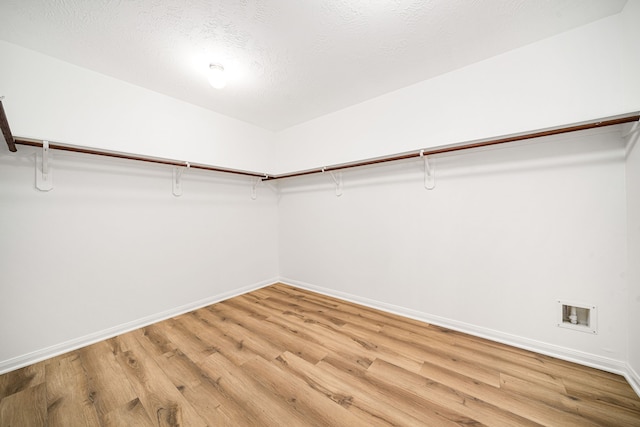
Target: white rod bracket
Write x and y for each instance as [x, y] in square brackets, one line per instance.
[429, 173]
[254, 185]
[44, 174]
[338, 181]
[177, 179]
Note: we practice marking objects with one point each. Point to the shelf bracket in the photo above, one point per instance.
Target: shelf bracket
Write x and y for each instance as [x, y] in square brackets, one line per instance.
[44, 174]
[429, 173]
[177, 179]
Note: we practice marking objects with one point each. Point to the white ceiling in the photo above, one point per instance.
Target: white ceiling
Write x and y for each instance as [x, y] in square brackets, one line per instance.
[288, 60]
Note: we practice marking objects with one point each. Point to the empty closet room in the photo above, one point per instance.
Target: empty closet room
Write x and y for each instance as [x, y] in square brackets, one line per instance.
[383, 213]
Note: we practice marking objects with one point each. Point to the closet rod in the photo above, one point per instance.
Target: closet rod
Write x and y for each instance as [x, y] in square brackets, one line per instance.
[6, 130]
[429, 152]
[54, 146]
[11, 143]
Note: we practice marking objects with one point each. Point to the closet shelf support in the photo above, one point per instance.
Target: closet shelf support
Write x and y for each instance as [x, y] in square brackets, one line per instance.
[44, 175]
[177, 179]
[429, 174]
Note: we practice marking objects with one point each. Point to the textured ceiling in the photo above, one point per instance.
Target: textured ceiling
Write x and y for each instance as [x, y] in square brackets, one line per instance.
[288, 60]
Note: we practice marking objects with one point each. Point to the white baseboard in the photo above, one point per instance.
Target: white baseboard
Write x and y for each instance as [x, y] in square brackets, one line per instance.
[564, 353]
[76, 343]
[633, 379]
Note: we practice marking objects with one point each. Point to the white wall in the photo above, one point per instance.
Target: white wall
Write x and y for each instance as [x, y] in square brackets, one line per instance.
[50, 99]
[524, 226]
[572, 77]
[630, 25]
[505, 234]
[631, 67]
[110, 248]
[633, 233]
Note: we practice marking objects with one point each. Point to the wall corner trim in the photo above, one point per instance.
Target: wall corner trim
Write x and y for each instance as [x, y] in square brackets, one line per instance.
[74, 344]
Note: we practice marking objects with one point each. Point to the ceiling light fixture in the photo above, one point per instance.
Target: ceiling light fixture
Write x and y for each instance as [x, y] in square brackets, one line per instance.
[217, 79]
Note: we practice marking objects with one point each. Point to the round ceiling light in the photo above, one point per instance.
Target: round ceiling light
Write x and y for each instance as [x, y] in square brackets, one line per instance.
[217, 79]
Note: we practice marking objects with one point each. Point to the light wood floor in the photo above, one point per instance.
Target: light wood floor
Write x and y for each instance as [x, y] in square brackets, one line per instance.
[281, 356]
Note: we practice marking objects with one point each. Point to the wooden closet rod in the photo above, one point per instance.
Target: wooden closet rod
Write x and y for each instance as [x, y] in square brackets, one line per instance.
[54, 146]
[429, 152]
[11, 143]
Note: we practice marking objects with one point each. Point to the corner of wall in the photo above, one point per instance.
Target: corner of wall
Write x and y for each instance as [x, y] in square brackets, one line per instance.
[633, 253]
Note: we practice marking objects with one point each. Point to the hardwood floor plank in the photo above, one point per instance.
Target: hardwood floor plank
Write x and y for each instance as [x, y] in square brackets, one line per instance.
[156, 335]
[69, 397]
[385, 401]
[524, 406]
[302, 397]
[525, 364]
[216, 411]
[191, 338]
[130, 414]
[333, 394]
[260, 406]
[21, 379]
[165, 405]
[448, 397]
[198, 327]
[411, 342]
[190, 379]
[281, 333]
[362, 314]
[600, 413]
[286, 356]
[25, 408]
[108, 385]
[235, 325]
[178, 368]
[308, 311]
[519, 364]
[614, 397]
[194, 382]
[340, 340]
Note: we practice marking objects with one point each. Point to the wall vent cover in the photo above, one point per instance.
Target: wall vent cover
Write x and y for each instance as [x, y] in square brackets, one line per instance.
[578, 316]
